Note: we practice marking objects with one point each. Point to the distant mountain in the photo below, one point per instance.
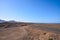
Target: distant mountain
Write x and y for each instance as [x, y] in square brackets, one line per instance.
[11, 21]
[1, 21]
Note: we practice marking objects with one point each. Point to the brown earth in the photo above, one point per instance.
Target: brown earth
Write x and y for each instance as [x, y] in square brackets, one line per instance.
[29, 31]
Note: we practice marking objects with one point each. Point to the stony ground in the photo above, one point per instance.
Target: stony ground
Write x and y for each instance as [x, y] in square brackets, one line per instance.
[26, 32]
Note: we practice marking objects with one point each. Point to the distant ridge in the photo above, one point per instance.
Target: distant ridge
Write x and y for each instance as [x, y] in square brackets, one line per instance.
[13, 21]
[1, 21]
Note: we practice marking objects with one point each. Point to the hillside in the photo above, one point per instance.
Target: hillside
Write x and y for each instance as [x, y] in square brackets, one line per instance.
[29, 31]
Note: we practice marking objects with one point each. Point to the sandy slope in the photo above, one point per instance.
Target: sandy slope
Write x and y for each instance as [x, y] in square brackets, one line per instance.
[28, 32]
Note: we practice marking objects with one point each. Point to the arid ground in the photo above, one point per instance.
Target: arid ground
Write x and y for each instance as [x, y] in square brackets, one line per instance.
[29, 31]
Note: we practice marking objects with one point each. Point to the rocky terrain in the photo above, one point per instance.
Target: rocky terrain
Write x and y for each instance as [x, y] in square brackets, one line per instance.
[29, 31]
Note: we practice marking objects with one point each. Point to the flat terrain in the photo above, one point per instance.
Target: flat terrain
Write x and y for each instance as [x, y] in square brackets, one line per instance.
[29, 31]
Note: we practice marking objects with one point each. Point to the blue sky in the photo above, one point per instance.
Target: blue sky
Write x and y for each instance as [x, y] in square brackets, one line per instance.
[42, 11]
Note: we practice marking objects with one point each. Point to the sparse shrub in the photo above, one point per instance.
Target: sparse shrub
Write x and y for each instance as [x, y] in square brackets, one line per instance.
[50, 39]
[2, 25]
[24, 25]
[44, 33]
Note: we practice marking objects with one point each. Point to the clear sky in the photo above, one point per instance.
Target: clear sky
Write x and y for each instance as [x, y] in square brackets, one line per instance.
[42, 11]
